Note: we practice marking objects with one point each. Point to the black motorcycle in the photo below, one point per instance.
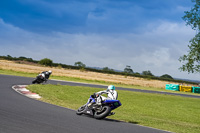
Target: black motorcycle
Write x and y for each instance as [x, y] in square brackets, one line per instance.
[39, 79]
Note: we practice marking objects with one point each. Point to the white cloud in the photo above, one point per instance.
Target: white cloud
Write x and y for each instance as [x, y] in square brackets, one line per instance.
[157, 49]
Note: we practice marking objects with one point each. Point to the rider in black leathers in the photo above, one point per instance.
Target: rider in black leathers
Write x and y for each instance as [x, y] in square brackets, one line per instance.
[47, 74]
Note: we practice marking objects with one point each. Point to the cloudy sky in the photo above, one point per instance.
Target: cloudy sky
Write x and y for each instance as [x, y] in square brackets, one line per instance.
[144, 34]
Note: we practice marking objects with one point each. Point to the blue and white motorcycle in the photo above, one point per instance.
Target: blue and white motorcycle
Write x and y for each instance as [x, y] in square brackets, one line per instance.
[96, 110]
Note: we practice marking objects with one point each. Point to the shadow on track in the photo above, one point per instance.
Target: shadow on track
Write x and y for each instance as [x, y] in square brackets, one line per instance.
[110, 120]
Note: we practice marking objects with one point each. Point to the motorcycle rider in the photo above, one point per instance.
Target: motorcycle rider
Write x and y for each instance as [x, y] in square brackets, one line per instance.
[46, 74]
[111, 93]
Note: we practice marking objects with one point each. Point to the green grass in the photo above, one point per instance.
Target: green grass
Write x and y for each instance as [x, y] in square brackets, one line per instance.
[17, 73]
[171, 113]
[24, 74]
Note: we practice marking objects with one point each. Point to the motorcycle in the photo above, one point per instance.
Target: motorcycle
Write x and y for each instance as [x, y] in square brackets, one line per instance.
[98, 111]
[39, 79]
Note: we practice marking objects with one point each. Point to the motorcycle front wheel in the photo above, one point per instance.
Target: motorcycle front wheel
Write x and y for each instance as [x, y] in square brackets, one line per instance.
[80, 110]
[105, 111]
[34, 81]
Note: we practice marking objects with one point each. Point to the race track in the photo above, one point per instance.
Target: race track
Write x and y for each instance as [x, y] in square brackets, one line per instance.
[20, 114]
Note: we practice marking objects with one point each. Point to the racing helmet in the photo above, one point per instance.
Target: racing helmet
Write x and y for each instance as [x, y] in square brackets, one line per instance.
[50, 71]
[111, 87]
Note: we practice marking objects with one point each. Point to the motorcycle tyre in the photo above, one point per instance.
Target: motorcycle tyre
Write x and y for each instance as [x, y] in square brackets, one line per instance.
[34, 81]
[104, 114]
[80, 110]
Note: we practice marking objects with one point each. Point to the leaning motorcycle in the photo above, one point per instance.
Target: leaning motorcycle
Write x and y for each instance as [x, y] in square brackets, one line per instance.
[98, 111]
[39, 79]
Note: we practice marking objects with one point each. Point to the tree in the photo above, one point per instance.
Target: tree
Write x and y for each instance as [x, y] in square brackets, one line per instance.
[167, 76]
[46, 62]
[147, 73]
[25, 59]
[106, 69]
[8, 56]
[79, 64]
[191, 61]
[128, 69]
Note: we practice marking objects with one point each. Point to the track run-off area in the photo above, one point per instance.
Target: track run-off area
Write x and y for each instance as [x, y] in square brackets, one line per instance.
[20, 114]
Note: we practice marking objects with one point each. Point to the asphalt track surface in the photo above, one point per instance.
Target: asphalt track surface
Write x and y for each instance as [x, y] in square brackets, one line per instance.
[20, 114]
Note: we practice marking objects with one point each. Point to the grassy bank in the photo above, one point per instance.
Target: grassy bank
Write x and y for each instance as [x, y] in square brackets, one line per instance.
[17, 73]
[172, 113]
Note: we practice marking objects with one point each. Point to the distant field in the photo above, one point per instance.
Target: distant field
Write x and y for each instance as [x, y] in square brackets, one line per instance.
[166, 112]
[85, 75]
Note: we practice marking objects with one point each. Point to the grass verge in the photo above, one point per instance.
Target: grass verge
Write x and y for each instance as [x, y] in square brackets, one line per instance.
[171, 113]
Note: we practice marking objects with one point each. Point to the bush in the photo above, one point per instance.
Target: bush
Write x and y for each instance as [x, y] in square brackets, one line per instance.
[46, 62]
[166, 76]
[79, 64]
[147, 73]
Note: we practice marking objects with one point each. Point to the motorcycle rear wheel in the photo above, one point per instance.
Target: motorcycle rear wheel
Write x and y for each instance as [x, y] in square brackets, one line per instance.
[34, 81]
[105, 111]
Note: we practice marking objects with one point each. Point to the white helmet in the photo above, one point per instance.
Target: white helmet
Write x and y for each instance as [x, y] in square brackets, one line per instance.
[111, 87]
[50, 71]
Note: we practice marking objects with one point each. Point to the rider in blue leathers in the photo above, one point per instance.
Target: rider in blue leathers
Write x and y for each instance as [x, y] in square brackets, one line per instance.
[112, 94]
